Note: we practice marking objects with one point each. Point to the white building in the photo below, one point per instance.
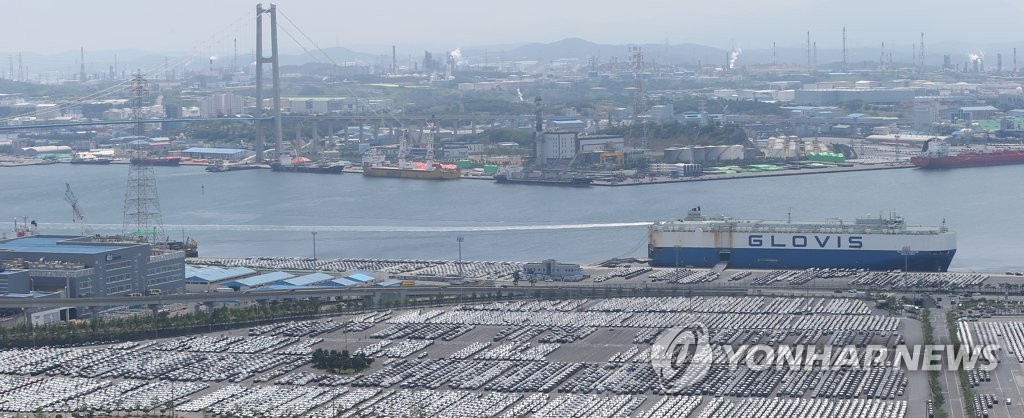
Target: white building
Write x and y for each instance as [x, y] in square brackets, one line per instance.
[557, 146]
[553, 269]
[221, 104]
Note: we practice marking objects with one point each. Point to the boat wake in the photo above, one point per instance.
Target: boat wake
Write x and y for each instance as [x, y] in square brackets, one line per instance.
[170, 228]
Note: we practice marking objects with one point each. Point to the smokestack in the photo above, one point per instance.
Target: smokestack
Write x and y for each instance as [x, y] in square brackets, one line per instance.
[881, 58]
[81, 71]
[394, 61]
[1014, 61]
[809, 51]
[922, 51]
[774, 56]
[815, 55]
[844, 49]
[538, 134]
[999, 62]
[234, 62]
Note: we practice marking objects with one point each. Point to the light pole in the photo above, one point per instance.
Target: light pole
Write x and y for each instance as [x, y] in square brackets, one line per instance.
[314, 245]
[459, 240]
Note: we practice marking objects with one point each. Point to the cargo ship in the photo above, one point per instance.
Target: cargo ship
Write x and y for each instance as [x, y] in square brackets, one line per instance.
[872, 243]
[427, 170]
[938, 155]
[434, 173]
[570, 181]
[308, 168]
[161, 161]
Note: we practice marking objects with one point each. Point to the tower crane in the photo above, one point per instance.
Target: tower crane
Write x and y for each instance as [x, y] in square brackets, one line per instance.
[76, 211]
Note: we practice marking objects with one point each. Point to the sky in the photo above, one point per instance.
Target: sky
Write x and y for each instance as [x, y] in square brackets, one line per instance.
[51, 26]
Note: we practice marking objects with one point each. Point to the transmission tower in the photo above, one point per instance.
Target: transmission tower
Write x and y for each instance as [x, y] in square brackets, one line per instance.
[142, 218]
[637, 56]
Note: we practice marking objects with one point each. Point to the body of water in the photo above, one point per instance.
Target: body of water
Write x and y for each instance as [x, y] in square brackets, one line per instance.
[262, 213]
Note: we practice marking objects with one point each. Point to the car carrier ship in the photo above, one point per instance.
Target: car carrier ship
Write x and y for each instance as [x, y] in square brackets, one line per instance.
[872, 243]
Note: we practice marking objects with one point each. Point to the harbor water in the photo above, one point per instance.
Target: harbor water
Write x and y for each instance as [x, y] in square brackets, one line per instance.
[262, 213]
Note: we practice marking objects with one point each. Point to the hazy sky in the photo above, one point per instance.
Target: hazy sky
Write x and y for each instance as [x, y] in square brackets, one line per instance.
[210, 25]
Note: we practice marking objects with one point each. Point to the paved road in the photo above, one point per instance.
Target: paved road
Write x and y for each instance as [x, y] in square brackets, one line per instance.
[948, 378]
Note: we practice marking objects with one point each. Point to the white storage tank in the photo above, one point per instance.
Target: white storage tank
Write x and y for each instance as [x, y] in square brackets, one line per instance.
[735, 152]
[672, 155]
[720, 152]
[685, 155]
[699, 154]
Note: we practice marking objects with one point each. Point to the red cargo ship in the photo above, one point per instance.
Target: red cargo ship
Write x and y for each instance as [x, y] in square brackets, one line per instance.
[941, 157]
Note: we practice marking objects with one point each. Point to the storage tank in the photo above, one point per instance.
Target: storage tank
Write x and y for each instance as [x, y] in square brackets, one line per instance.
[700, 154]
[671, 155]
[718, 153]
[685, 155]
[735, 152]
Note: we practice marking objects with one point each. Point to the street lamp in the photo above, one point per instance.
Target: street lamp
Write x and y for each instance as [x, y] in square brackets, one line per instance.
[314, 245]
[906, 252]
[459, 240]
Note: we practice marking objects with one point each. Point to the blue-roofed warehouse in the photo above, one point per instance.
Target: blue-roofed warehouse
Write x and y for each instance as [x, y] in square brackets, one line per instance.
[206, 278]
[228, 154]
[257, 281]
[309, 279]
[360, 277]
[344, 282]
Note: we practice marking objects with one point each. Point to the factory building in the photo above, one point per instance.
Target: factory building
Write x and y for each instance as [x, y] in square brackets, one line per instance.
[88, 266]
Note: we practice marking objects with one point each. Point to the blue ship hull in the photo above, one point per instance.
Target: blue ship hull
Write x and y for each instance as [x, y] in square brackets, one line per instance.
[791, 258]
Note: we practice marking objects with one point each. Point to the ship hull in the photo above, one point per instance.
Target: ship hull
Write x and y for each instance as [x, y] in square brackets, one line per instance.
[333, 169]
[970, 160]
[96, 161]
[167, 162]
[783, 259]
[575, 182]
[435, 174]
[767, 250]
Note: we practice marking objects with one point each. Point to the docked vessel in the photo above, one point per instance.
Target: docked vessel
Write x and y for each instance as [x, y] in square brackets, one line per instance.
[873, 243]
[937, 154]
[435, 173]
[571, 181]
[161, 161]
[309, 168]
[427, 170]
[85, 158]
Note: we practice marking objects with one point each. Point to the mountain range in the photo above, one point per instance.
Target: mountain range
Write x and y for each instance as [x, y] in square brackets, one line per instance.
[581, 50]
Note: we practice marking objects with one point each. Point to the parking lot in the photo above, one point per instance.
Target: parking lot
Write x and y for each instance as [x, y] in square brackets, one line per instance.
[541, 357]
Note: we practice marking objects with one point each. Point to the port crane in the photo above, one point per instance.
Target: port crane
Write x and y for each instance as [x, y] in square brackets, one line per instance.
[76, 211]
